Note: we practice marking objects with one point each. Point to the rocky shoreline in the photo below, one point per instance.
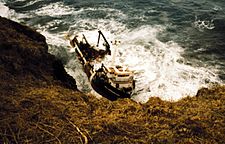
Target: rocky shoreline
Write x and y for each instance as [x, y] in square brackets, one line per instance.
[40, 103]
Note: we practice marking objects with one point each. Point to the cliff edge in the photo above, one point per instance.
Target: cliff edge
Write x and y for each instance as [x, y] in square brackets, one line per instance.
[39, 103]
[25, 60]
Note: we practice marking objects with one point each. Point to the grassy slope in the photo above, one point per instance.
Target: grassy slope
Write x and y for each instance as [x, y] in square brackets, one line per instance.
[39, 105]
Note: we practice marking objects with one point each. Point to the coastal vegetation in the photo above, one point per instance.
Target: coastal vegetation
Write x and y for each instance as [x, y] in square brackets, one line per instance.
[40, 103]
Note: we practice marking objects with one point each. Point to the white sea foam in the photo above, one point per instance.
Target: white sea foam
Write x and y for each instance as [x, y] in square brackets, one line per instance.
[55, 9]
[11, 14]
[57, 39]
[75, 69]
[158, 66]
[3, 10]
[201, 25]
[31, 2]
[158, 70]
[217, 8]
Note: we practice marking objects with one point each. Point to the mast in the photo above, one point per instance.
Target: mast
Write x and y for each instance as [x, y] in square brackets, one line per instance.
[106, 42]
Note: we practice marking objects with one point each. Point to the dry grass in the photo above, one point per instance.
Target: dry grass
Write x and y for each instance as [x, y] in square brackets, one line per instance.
[58, 115]
[40, 104]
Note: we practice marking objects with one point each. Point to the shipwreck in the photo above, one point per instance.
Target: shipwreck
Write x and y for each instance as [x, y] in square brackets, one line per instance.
[110, 81]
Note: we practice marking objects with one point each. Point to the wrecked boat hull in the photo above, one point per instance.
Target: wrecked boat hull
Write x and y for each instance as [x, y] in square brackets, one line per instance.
[106, 90]
[112, 82]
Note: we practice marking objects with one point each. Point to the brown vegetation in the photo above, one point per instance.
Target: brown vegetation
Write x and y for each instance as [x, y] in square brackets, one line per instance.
[40, 104]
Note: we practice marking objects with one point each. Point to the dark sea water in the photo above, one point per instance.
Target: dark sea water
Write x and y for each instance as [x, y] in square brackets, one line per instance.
[175, 46]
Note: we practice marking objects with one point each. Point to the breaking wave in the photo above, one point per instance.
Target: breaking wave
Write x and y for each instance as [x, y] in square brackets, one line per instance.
[201, 25]
[160, 69]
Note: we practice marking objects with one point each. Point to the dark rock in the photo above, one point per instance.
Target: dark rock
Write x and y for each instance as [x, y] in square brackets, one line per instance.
[38, 104]
[24, 57]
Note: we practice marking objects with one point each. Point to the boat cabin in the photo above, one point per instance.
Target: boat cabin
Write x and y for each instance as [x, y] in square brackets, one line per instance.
[119, 77]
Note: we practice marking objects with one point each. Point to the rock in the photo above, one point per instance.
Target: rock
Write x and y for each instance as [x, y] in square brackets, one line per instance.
[24, 58]
[39, 103]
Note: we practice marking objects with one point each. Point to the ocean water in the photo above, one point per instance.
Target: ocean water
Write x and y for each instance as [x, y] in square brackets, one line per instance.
[175, 47]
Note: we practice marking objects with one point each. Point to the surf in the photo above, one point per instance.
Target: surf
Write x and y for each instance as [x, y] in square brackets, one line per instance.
[160, 68]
